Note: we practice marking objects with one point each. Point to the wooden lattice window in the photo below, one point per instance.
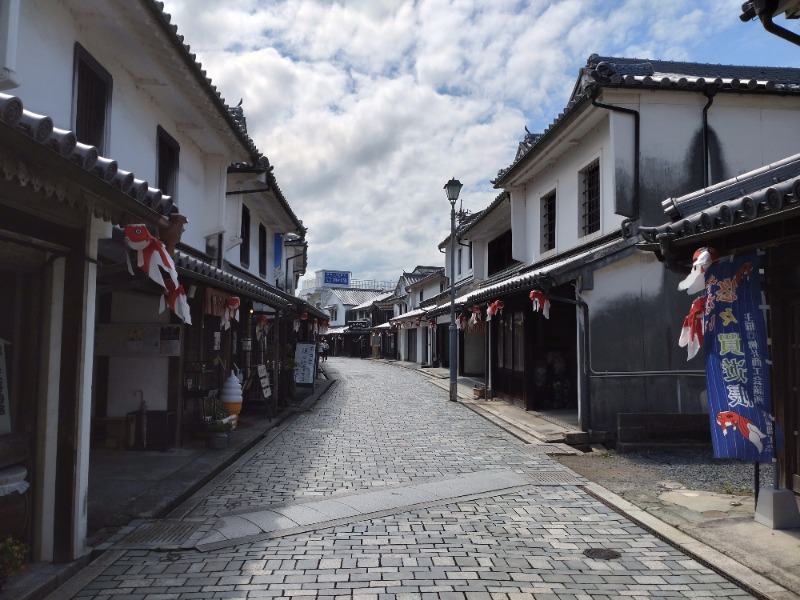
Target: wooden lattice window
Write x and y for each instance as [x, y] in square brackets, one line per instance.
[590, 201]
[91, 102]
[548, 232]
[244, 249]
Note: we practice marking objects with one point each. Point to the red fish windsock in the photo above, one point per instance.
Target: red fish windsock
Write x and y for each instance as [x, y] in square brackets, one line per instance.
[175, 298]
[231, 311]
[494, 308]
[540, 303]
[695, 281]
[476, 315]
[692, 330]
[153, 259]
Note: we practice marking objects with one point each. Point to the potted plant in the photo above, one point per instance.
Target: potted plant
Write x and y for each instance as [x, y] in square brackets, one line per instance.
[13, 554]
[219, 424]
[218, 432]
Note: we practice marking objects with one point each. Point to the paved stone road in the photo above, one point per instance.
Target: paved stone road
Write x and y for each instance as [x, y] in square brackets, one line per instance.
[382, 426]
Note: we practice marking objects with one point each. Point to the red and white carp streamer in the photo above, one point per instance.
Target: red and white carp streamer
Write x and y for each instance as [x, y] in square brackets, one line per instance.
[153, 259]
[695, 281]
[540, 303]
[231, 311]
[494, 308]
[692, 330]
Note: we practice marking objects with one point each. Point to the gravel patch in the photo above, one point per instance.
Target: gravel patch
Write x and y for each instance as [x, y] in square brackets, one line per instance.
[653, 471]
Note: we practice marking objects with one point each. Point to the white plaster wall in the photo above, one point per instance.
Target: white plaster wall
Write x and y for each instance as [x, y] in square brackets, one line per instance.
[563, 175]
[521, 231]
[480, 259]
[753, 131]
[340, 311]
[128, 374]
[47, 35]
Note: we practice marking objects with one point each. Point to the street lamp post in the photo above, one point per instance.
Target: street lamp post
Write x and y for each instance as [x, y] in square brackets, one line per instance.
[453, 188]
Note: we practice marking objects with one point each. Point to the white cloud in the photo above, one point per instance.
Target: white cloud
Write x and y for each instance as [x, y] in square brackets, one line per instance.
[367, 107]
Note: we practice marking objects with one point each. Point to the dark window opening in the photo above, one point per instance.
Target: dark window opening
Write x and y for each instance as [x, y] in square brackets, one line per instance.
[262, 250]
[167, 156]
[244, 249]
[460, 257]
[91, 100]
[548, 231]
[469, 257]
[499, 252]
[590, 203]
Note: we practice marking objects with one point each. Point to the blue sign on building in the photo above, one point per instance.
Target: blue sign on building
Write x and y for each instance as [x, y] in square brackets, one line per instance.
[337, 278]
[737, 361]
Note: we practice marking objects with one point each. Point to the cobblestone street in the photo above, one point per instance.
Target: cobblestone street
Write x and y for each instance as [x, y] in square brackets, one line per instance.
[505, 521]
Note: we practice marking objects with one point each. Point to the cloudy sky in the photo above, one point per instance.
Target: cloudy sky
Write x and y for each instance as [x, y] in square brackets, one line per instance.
[367, 107]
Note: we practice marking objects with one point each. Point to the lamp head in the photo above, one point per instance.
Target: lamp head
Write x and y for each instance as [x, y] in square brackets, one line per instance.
[452, 188]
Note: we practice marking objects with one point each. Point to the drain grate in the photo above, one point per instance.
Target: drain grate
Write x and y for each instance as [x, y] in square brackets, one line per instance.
[159, 534]
[552, 478]
[601, 553]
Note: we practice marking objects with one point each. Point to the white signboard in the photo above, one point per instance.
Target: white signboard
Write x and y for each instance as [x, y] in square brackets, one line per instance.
[263, 377]
[305, 359]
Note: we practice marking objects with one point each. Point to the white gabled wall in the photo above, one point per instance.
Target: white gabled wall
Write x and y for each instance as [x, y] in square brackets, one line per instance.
[564, 176]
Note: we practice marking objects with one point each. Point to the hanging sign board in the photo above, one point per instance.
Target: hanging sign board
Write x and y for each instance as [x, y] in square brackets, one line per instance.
[5, 401]
[305, 360]
[263, 377]
[137, 339]
[737, 361]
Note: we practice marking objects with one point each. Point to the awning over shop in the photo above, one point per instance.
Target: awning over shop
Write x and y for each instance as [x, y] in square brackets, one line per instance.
[410, 316]
[554, 272]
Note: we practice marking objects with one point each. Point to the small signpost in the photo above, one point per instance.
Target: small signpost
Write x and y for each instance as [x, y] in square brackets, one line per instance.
[305, 359]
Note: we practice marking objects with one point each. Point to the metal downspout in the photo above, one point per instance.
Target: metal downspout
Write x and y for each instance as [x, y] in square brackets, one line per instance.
[765, 16]
[710, 91]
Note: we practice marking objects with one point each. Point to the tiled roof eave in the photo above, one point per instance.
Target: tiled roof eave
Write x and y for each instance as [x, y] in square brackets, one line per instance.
[163, 20]
[31, 159]
[773, 202]
[192, 267]
[566, 117]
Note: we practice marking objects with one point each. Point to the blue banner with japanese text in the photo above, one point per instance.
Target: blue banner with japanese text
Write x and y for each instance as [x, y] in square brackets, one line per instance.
[737, 361]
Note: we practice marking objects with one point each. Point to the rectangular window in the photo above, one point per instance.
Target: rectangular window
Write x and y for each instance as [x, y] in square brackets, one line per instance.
[167, 153]
[421, 295]
[91, 100]
[244, 248]
[469, 257]
[590, 200]
[262, 250]
[499, 254]
[547, 235]
[460, 254]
